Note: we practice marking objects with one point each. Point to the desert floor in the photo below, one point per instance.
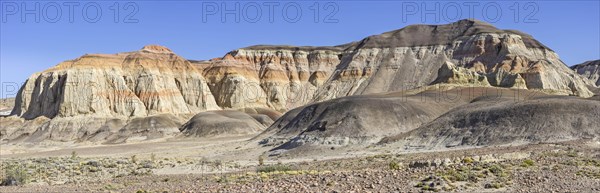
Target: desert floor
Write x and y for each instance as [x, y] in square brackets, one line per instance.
[236, 165]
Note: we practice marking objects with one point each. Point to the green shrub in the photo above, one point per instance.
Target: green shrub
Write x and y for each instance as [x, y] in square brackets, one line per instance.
[496, 169]
[274, 168]
[495, 185]
[394, 165]
[527, 163]
[454, 176]
[15, 175]
[223, 179]
[134, 159]
[261, 160]
[420, 184]
[467, 160]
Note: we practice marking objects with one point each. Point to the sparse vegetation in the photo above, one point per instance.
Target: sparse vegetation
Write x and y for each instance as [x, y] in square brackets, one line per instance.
[74, 155]
[394, 165]
[261, 160]
[497, 170]
[274, 168]
[466, 176]
[527, 163]
[443, 174]
[134, 159]
[153, 157]
[15, 175]
[462, 174]
[467, 160]
[222, 179]
[495, 185]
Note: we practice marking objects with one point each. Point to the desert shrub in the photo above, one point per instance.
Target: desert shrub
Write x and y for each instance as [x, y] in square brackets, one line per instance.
[467, 160]
[223, 179]
[496, 169]
[153, 157]
[15, 175]
[261, 160]
[134, 159]
[274, 168]
[495, 185]
[527, 163]
[73, 155]
[454, 175]
[394, 165]
[420, 184]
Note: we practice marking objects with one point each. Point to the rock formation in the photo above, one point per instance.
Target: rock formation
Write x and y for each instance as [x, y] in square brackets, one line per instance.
[154, 80]
[590, 70]
[285, 77]
[116, 97]
[411, 57]
[150, 93]
[276, 77]
[133, 84]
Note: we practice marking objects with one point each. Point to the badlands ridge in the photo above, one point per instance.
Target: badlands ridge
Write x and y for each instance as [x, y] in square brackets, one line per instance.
[464, 84]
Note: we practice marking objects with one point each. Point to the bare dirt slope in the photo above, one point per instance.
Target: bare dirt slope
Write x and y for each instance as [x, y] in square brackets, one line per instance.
[505, 121]
[435, 118]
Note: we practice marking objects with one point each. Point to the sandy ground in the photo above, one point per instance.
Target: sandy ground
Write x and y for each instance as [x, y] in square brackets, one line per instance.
[231, 165]
[239, 149]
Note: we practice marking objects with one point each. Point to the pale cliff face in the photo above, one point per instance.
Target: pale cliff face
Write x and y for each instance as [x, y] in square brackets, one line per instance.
[280, 79]
[394, 61]
[154, 80]
[590, 70]
[142, 83]
[103, 93]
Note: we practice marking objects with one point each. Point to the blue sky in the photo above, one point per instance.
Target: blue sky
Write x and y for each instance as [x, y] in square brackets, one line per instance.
[194, 29]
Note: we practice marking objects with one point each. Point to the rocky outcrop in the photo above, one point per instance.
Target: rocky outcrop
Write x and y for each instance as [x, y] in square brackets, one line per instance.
[149, 93]
[450, 73]
[155, 81]
[285, 77]
[110, 97]
[276, 77]
[133, 84]
[590, 70]
[412, 57]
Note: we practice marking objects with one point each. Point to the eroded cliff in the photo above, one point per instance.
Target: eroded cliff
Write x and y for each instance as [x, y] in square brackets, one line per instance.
[151, 92]
[150, 81]
[590, 70]
[411, 57]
